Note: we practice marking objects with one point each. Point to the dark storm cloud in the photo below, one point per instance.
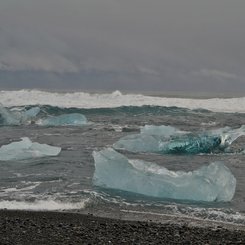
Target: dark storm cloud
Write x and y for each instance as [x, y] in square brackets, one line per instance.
[158, 44]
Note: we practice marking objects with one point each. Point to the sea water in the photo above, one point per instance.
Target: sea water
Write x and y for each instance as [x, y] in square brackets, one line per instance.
[65, 181]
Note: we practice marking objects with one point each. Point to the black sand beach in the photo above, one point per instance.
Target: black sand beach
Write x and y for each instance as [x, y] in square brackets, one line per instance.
[26, 227]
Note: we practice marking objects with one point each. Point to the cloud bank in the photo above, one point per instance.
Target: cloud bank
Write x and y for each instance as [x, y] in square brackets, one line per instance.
[168, 45]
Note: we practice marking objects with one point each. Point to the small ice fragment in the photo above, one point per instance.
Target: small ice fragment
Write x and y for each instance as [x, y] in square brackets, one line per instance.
[26, 149]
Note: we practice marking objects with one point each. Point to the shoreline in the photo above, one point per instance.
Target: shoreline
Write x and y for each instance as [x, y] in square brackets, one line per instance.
[49, 227]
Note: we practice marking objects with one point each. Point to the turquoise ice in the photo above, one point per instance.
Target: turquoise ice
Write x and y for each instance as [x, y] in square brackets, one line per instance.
[210, 183]
[73, 119]
[26, 149]
[169, 140]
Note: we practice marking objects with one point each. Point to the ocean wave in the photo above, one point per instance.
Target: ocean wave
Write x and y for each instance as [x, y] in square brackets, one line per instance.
[116, 99]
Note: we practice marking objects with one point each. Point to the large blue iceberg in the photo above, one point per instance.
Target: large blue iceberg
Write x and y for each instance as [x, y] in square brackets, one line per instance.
[17, 117]
[210, 183]
[26, 149]
[72, 119]
[169, 140]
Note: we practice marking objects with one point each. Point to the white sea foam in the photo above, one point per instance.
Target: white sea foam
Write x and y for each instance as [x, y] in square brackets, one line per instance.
[115, 99]
[47, 205]
[27, 188]
[208, 215]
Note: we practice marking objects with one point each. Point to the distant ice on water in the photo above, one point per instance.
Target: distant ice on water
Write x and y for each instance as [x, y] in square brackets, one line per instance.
[21, 116]
[17, 117]
[72, 119]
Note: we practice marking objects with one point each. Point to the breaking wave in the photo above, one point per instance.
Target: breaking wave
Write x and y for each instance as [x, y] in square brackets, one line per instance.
[116, 99]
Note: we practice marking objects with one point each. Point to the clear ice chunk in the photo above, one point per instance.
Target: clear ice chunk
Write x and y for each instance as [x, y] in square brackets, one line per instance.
[26, 149]
[33, 112]
[73, 119]
[7, 118]
[169, 140]
[190, 145]
[162, 130]
[138, 143]
[17, 117]
[210, 183]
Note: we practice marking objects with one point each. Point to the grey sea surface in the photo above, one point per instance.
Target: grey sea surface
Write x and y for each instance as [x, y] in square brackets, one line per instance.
[64, 182]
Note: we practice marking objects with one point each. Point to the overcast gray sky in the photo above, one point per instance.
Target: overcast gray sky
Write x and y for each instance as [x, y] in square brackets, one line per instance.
[163, 45]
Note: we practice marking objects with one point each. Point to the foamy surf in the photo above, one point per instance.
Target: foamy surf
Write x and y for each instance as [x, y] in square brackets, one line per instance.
[116, 99]
[42, 205]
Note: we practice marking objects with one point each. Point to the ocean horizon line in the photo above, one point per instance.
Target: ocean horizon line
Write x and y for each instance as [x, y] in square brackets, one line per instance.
[166, 93]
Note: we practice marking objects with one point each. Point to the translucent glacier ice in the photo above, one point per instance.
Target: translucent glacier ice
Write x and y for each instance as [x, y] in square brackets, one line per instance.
[190, 145]
[17, 117]
[7, 118]
[210, 183]
[138, 143]
[186, 144]
[162, 130]
[73, 119]
[31, 113]
[169, 140]
[26, 149]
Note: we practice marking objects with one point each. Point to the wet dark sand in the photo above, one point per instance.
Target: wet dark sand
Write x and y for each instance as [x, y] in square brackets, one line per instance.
[26, 227]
